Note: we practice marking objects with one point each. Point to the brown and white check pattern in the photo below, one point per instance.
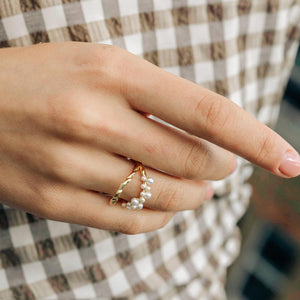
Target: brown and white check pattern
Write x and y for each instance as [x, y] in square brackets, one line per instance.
[241, 49]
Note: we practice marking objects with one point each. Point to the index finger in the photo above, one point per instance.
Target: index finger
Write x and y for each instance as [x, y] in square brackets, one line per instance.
[208, 115]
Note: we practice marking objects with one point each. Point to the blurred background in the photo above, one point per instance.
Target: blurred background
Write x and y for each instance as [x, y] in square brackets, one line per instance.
[268, 266]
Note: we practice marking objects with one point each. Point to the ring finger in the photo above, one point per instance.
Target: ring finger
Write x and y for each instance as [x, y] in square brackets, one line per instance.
[103, 172]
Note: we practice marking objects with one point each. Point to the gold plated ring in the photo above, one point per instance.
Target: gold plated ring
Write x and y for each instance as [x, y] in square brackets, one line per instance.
[145, 194]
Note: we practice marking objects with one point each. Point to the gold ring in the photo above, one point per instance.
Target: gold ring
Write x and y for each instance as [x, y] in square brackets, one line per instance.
[135, 203]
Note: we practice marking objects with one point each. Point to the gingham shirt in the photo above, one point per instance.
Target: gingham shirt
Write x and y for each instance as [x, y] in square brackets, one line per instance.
[241, 49]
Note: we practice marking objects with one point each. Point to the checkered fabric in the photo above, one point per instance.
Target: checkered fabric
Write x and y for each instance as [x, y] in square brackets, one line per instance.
[241, 49]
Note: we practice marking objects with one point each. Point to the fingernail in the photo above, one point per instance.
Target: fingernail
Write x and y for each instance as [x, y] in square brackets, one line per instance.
[290, 164]
[209, 192]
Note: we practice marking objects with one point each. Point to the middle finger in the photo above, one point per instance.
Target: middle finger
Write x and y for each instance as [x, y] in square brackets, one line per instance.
[162, 147]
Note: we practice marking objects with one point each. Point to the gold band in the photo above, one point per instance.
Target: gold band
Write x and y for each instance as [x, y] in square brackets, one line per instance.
[117, 195]
[136, 203]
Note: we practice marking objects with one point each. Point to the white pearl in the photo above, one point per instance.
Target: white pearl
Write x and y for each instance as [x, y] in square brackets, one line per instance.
[143, 186]
[134, 206]
[140, 206]
[150, 180]
[143, 194]
[124, 204]
[148, 195]
[134, 201]
[144, 178]
[128, 207]
[148, 188]
[142, 200]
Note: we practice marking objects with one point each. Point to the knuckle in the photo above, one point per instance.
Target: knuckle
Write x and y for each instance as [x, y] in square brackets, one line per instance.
[65, 112]
[194, 160]
[133, 226]
[104, 52]
[265, 147]
[56, 162]
[213, 113]
[115, 63]
[110, 63]
[166, 217]
[77, 118]
[94, 55]
[169, 198]
[102, 127]
[64, 167]
[96, 66]
[229, 168]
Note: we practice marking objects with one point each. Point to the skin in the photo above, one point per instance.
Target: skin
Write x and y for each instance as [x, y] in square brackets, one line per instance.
[71, 113]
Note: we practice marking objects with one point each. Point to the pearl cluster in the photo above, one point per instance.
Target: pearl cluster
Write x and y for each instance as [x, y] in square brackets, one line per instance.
[145, 194]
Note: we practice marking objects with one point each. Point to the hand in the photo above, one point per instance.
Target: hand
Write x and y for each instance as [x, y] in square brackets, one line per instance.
[71, 113]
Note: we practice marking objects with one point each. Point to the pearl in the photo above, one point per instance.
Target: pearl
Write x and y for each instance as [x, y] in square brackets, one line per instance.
[143, 186]
[142, 200]
[148, 188]
[144, 178]
[148, 195]
[128, 207]
[140, 206]
[143, 194]
[134, 201]
[150, 180]
[124, 204]
[134, 206]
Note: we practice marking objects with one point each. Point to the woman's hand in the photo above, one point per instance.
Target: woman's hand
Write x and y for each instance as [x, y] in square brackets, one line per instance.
[71, 113]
